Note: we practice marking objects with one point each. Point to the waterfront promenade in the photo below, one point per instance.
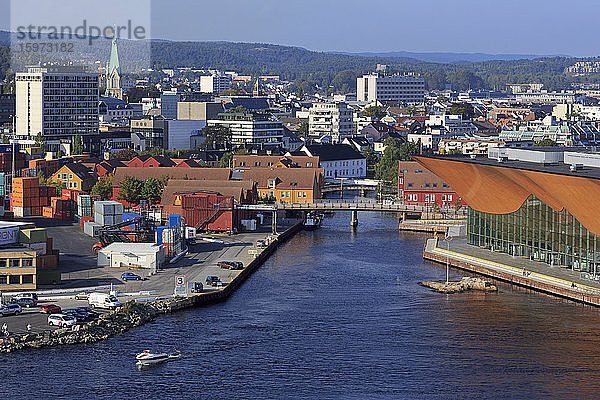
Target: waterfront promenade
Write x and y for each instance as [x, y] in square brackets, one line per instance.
[521, 271]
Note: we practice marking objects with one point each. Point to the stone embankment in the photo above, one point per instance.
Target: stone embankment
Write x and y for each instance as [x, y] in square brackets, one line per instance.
[465, 284]
[117, 321]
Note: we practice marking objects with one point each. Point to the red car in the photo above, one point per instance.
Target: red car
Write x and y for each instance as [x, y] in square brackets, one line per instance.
[50, 309]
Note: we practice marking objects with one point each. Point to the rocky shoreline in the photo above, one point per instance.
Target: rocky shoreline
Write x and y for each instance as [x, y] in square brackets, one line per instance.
[129, 315]
[465, 284]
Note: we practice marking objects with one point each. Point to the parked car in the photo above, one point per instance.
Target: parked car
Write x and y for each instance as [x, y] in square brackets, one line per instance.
[61, 320]
[260, 244]
[212, 280]
[82, 296]
[79, 316]
[26, 302]
[10, 309]
[91, 314]
[197, 287]
[230, 264]
[27, 295]
[130, 276]
[50, 309]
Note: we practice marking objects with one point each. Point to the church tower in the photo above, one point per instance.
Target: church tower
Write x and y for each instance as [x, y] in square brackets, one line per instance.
[257, 92]
[113, 73]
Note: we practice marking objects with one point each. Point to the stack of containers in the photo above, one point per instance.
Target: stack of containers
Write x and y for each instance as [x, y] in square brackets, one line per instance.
[25, 197]
[108, 213]
[35, 239]
[84, 219]
[61, 209]
[91, 228]
[84, 206]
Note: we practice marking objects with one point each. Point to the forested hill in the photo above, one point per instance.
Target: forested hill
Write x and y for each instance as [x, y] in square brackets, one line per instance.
[309, 68]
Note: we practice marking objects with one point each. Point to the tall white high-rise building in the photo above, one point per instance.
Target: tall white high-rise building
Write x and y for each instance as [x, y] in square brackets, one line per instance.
[56, 101]
[335, 119]
[215, 83]
[403, 89]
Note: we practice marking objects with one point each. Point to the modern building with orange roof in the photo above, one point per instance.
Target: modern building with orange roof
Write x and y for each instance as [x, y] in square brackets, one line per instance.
[539, 203]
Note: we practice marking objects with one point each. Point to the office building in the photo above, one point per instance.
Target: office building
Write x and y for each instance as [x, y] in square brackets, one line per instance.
[215, 83]
[57, 101]
[168, 104]
[251, 129]
[401, 89]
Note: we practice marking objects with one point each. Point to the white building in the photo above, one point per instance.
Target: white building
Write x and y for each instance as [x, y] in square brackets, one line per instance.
[251, 129]
[215, 83]
[453, 125]
[333, 119]
[132, 255]
[338, 160]
[56, 100]
[405, 89]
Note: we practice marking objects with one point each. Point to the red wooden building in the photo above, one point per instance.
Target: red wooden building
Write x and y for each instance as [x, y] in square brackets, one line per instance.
[421, 187]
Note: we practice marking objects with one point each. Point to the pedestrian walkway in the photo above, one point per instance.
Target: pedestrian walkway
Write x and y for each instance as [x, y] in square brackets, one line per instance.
[522, 271]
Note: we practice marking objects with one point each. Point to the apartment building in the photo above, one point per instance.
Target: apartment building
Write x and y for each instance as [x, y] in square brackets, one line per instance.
[215, 83]
[334, 119]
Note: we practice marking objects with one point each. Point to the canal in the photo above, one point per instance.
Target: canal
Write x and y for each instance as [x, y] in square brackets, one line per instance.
[337, 315]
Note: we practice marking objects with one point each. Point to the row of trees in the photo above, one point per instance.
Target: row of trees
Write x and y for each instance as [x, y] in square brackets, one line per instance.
[132, 189]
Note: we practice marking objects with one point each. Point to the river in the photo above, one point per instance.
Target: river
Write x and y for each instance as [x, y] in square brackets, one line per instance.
[337, 315]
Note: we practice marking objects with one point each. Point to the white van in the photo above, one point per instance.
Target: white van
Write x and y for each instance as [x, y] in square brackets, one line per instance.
[103, 300]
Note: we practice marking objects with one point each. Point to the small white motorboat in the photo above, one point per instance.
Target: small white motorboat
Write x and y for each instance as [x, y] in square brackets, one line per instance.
[147, 357]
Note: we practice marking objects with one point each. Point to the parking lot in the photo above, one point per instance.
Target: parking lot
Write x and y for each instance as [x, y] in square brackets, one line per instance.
[80, 272]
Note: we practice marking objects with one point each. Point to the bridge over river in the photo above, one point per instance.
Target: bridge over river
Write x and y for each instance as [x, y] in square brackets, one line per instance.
[354, 205]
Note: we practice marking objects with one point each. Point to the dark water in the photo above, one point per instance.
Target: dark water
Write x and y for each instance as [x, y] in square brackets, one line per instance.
[337, 315]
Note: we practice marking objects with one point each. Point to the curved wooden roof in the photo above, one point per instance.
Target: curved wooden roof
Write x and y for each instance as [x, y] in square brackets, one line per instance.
[502, 190]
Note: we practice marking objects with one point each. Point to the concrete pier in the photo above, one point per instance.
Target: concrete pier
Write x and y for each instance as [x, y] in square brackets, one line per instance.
[515, 270]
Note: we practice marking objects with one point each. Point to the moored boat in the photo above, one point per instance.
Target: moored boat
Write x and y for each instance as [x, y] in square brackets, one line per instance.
[312, 221]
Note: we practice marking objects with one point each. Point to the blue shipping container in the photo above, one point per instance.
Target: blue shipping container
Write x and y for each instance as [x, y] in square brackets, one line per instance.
[159, 233]
[128, 216]
[174, 221]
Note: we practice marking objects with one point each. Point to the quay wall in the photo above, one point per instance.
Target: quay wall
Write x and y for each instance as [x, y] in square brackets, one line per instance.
[520, 277]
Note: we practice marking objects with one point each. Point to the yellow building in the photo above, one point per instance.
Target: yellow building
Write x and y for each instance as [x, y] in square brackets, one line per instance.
[75, 176]
[287, 185]
[18, 269]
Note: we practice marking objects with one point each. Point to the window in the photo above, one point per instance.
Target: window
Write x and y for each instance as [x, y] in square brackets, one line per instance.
[14, 279]
[257, 163]
[14, 263]
[70, 176]
[27, 279]
[270, 163]
[3, 279]
[2, 262]
[74, 185]
[242, 163]
[410, 185]
[435, 185]
[309, 165]
[272, 183]
[444, 185]
[27, 262]
[427, 185]
[449, 197]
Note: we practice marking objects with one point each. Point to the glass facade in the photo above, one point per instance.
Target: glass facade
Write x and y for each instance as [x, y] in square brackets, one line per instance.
[539, 233]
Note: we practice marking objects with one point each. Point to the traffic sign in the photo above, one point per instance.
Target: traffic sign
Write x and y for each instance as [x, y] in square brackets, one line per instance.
[180, 286]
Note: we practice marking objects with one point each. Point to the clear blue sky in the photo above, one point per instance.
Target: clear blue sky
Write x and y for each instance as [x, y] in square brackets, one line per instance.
[507, 26]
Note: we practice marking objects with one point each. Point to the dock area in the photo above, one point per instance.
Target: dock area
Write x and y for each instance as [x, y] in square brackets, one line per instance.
[520, 271]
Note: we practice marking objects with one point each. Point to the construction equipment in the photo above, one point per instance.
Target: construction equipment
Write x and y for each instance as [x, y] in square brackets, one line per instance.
[143, 231]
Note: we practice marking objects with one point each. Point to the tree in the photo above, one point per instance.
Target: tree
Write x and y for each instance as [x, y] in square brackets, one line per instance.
[376, 112]
[131, 190]
[303, 130]
[77, 144]
[225, 160]
[125, 154]
[464, 109]
[371, 159]
[386, 169]
[216, 137]
[49, 182]
[152, 190]
[546, 143]
[242, 151]
[104, 187]
[229, 92]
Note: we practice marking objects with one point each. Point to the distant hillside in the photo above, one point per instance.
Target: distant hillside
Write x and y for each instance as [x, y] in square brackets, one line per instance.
[311, 71]
[437, 57]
